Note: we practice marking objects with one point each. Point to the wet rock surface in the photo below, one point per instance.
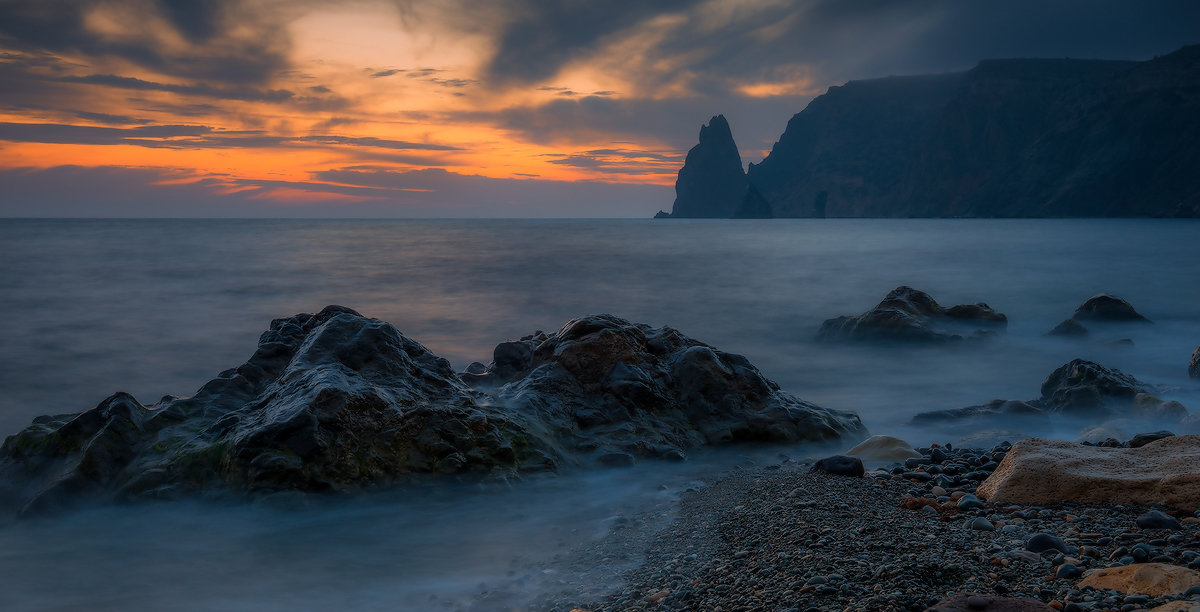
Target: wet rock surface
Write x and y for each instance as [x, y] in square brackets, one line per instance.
[1079, 389]
[1194, 364]
[784, 537]
[910, 315]
[334, 402]
[1109, 308]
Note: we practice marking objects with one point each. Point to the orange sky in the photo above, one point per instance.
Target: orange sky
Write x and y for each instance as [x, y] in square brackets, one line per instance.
[287, 101]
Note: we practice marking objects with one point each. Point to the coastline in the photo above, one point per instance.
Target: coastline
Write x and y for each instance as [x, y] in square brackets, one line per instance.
[782, 537]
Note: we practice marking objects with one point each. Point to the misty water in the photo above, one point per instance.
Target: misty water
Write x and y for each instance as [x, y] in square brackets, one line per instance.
[158, 307]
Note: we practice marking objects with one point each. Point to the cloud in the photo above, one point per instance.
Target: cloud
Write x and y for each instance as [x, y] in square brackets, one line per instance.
[109, 119]
[191, 136]
[107, 191]
[621, 161]
[227, 41]
[250, 94]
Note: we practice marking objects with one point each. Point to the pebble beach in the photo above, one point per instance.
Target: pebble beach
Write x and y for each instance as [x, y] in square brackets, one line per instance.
[783, 537]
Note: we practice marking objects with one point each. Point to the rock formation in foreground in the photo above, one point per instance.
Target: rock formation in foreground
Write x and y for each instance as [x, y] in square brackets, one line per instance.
[1041, 471]
[711, 183]
[1008, 138]
[339, 402]
[909, 315]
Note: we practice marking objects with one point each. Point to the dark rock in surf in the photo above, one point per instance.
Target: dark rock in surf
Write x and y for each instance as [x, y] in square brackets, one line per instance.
[1106, 307]
[842, 465]
[1194, 364]
[663, 389]
[339, 402]
[1081, 386]
[909, 315]
[994, 413]
[1078, 388]
[1069, 328]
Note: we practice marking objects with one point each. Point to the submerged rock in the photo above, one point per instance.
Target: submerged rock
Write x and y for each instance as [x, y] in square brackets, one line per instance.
[336, 402]
[1106, 307]
[1070, 328]
[993, 413]
[910, 315]
[1041, 471]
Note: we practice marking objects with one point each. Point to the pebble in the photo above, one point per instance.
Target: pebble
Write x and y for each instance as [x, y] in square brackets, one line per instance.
[791, 540]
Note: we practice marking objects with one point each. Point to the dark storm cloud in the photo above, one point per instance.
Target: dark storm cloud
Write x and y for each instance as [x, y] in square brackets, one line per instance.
[248, 94]
[674, 123]
[545, 34]
[841, 39]
[218, 51]
[621, 161]
[822, 42]
[190, 136]
[109, 119]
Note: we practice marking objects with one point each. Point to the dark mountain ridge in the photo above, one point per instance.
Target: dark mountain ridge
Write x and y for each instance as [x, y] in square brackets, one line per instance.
[1008, 138]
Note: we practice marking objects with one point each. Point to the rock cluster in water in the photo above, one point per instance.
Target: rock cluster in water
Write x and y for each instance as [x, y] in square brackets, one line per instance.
[1101, 309]
[910, 315]
[336, 401]
[1079, 389]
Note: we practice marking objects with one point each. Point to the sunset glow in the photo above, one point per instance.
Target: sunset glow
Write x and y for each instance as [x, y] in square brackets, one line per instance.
[269, 99]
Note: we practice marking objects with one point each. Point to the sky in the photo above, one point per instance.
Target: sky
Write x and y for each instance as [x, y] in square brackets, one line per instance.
[457, 108]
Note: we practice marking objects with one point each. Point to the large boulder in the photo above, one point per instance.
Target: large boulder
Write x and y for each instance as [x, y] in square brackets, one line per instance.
[336, 402]
[1042, 471]
[883, 449]
[606, 381]
[1153, 579]
[909, 315]
[1110, 308]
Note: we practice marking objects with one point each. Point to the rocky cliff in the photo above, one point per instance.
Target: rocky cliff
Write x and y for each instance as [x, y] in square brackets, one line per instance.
[1009, 138]
[711, 183]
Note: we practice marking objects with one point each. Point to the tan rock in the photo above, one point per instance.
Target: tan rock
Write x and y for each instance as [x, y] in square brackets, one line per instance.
[1153, 579]
[883, 449]
[1040, 471]
[1178, 606]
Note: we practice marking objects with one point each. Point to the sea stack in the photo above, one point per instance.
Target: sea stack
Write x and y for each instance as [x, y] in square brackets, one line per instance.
[711, 184]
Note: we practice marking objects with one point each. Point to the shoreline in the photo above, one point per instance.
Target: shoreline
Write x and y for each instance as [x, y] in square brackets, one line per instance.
[782, 538]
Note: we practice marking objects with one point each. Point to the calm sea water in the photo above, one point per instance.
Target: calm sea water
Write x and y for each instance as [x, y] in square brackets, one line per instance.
[160, 306]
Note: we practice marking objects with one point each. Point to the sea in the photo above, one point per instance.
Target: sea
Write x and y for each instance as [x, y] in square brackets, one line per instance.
[157, 307]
